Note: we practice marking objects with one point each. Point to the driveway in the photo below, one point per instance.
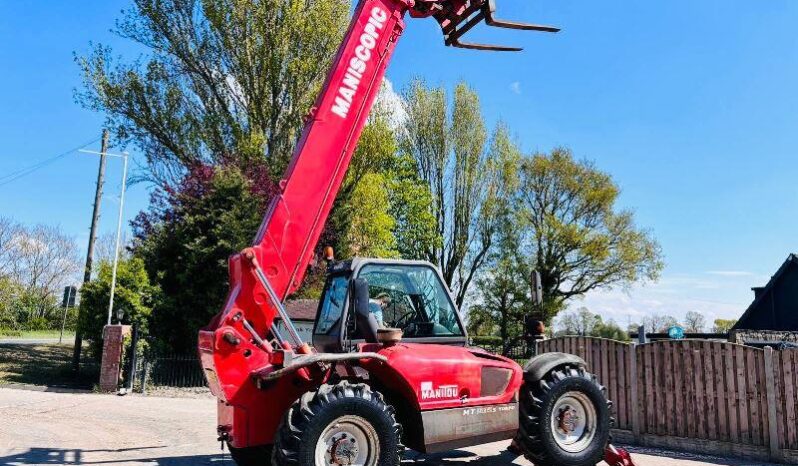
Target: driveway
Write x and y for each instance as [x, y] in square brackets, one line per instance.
[84, 429]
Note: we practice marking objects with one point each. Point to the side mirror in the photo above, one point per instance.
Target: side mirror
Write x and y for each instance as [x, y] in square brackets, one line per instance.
[366, 320]
[534, 327]
[537, 288]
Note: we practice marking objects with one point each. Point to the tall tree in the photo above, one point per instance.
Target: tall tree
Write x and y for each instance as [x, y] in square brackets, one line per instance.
[585, 323]
[411, 209]
[133, 294]
[659, 323]
[579, 322]
[9, 231]
[41, 260]
[504, 301]
[35, 263]
[373, 195]
[449, 143]
[185, 239]
[695, 322]
[382, 209]
[723, 325]
[370, 231]
[10, 298]
[573, 232]
[221, 79]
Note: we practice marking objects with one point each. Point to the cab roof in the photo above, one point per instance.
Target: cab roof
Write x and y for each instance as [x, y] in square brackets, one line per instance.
[350, 265]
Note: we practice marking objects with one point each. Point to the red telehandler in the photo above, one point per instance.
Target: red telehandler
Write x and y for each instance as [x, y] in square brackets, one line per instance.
[389, 366]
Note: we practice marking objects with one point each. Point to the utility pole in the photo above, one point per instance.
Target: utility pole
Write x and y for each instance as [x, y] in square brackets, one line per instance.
[98, 194]
[118, 235]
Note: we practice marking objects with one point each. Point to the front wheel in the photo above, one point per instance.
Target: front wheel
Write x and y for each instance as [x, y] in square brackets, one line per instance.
[343, 424]
[565, 419]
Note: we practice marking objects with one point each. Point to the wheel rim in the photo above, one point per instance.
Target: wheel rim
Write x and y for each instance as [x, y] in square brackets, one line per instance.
[350, 441]
[573, 422]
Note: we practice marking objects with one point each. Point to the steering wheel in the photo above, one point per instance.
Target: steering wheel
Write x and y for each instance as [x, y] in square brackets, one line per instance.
[404, 319]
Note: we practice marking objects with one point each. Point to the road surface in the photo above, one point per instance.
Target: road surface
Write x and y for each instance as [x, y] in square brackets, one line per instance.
[45, 428]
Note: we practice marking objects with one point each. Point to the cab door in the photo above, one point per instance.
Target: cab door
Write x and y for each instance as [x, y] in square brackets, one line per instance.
[411, 296]
[327, 329]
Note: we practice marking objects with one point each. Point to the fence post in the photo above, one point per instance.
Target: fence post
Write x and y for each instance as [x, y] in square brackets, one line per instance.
[145, 376]
[635, 407]
[770, 387]
[134, 343]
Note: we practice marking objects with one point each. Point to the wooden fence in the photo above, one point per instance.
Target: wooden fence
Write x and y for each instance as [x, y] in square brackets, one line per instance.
[696, 395]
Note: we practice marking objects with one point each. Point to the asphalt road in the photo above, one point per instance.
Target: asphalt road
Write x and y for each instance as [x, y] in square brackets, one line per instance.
[44, 428]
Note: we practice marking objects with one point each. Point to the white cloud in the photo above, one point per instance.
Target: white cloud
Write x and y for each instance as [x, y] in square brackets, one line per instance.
[390, 103]
[236, 91]
[730, 273]
[673, 295]
[516, 87]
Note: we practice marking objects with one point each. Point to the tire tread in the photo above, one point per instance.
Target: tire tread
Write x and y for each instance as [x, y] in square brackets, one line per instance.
[300, 416]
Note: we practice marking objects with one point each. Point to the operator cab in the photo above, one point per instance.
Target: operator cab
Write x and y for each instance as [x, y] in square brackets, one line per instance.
[406, 295]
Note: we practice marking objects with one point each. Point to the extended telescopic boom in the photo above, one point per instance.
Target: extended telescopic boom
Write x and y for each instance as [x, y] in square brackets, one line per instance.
[262, 276]
[284, 246]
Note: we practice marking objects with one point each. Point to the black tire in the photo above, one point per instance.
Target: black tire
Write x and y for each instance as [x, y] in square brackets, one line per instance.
[252, 456]
[536, 437]
[310, 417]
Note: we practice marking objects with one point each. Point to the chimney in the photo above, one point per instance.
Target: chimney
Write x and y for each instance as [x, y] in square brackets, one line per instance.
[758, 290]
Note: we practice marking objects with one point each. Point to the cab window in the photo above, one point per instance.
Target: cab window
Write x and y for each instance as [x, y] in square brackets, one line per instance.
[332, 304]
[412, 298]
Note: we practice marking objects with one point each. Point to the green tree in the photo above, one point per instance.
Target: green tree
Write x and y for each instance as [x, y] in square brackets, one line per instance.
[411, 209]
[449, 143]
[503, 303]
[185, 240]
[370, 232]
[405, 198]
[574, 234]
[723, 325]
[222, 79]
[35, 263]
[611, 330]
[223, 87]
[133, 294]
[10, 296]
[580, 322]
[382, 208]
[503, 297]
[361, 223]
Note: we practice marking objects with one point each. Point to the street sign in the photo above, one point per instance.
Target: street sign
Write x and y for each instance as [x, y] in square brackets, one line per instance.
[676, 333]
[70, 293]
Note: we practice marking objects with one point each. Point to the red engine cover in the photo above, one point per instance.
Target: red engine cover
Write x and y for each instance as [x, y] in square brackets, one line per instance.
[440, 376]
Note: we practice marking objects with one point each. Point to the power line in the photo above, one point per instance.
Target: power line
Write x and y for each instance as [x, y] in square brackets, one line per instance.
[17, 174]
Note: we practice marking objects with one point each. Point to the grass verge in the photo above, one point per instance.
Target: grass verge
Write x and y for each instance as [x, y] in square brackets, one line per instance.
[36, 334]
[49, 365]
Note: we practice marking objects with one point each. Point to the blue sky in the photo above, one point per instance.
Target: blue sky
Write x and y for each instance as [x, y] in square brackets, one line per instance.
[691, 106]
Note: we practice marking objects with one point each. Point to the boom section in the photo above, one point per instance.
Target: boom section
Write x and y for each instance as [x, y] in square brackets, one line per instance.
[285, 243]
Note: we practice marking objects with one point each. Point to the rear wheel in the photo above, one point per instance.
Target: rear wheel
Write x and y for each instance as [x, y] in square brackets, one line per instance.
[565, 419]
[343, 424]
